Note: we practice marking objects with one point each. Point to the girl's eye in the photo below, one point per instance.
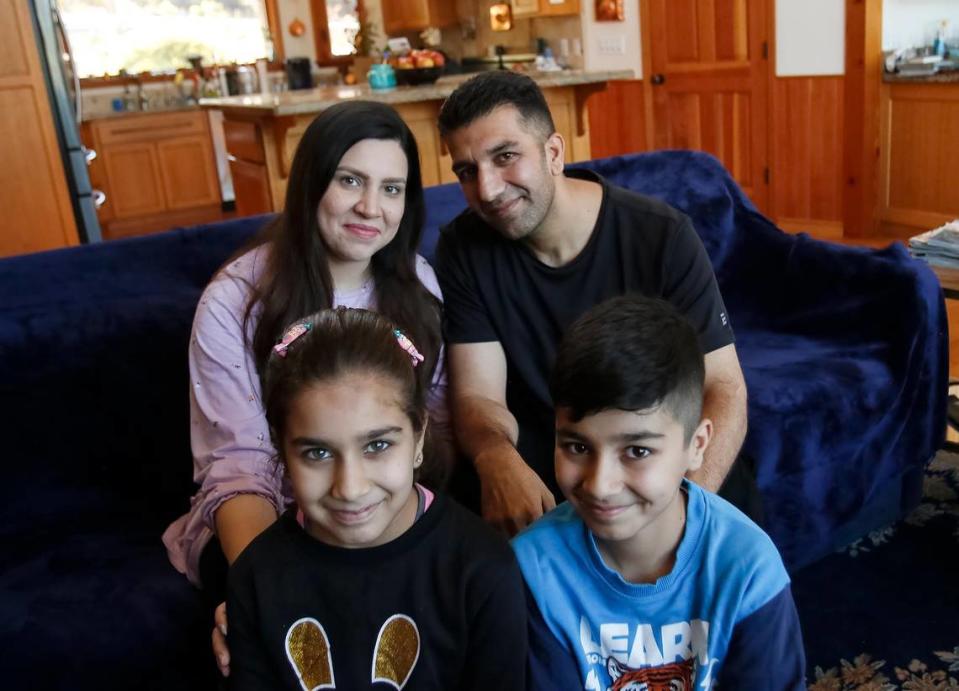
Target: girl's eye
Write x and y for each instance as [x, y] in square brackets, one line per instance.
[317, 454]
[575, 448]
[349, 180]
[378, 446]
[394, 190]
[637, 452]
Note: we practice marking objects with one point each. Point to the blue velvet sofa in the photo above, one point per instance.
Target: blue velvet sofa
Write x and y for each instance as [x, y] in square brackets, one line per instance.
[844, 351]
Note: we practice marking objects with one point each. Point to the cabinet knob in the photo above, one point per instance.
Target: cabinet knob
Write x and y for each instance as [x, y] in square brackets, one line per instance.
[658, 79]
[99, 198]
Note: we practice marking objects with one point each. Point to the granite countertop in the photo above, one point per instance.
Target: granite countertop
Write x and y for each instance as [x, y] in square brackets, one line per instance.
[111, 114]
[944, 77]
[316, 100]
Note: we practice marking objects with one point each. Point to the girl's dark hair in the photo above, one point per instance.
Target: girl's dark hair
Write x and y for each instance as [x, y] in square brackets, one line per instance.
[345, 341]
[631, 353]
[296, 280]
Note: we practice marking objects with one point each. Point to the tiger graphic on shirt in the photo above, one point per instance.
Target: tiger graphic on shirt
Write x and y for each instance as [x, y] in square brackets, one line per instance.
[673, 676]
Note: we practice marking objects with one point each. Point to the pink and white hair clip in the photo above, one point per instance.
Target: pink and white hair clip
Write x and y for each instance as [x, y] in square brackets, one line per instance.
[293, 333]
[407, 345]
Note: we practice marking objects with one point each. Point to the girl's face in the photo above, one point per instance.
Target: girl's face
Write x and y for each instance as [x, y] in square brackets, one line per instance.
[350, 451]
[362, 208]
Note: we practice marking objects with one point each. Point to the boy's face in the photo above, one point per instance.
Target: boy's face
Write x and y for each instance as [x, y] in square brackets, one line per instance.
[622, 470]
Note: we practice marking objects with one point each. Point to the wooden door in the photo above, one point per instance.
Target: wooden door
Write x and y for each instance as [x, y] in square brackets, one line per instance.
[708, 73]
[135, 183]
[37, 211]
[188, 172]
[405, 15]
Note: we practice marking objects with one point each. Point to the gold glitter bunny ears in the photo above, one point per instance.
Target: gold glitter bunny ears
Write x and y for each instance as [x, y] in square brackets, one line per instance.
[394, 656]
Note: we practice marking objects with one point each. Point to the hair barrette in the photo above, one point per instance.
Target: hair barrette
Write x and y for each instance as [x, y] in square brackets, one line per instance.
[293, 333]
[407, 345]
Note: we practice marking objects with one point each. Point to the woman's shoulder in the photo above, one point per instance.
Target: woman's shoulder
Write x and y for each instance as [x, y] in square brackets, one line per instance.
[236, 278]
[428, 277]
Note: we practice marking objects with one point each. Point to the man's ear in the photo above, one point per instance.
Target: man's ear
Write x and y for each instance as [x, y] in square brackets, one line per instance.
[698, 444]
[555, 147]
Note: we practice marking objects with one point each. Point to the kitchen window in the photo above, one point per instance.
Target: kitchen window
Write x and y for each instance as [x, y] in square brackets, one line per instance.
[108, 36]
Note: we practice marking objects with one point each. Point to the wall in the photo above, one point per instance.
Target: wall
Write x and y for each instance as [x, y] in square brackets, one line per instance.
[810, 37]
[629, 31]
[911, 23]
[297, 46]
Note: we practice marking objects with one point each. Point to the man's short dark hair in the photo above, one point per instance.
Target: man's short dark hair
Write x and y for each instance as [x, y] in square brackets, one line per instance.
[487, 91]
[631, 353]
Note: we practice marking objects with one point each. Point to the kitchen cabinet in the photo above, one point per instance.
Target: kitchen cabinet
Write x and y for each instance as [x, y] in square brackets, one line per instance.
[544, 8]
[157, 170]
[919, 148]
[400, 16]
[34, 196]
[555, 8]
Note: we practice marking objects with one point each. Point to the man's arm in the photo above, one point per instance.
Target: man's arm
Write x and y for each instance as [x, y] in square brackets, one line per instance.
[512, 493]
[724, 402]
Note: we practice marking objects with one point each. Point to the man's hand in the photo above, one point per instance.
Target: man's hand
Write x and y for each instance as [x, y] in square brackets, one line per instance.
[513, 496]
[220, 649]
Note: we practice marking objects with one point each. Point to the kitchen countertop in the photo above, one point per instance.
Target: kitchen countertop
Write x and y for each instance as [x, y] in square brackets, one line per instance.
[316, 100]
[113, 114]
[945, 77]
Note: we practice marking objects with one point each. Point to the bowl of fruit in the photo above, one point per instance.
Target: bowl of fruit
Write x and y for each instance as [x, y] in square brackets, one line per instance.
[418, 67]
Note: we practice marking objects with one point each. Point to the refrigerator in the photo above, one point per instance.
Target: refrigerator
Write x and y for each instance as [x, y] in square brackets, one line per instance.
[63, 88]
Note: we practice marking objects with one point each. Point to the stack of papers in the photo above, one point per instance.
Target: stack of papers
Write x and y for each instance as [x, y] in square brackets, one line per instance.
[939, 246]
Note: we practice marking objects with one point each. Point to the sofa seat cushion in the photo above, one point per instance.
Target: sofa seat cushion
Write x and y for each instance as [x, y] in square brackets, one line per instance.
[93, 607]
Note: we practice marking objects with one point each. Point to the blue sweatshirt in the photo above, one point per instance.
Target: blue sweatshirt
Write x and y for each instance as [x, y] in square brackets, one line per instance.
[723, 618]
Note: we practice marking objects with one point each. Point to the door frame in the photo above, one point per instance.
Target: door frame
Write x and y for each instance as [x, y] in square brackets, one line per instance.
[861, 88]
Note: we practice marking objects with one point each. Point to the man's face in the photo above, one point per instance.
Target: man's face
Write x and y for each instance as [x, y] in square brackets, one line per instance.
[506, 168]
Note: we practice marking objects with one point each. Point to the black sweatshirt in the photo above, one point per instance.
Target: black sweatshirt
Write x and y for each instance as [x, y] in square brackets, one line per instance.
[440, 607]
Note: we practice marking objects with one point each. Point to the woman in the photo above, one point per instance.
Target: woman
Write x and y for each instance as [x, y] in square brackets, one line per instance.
[347, 236]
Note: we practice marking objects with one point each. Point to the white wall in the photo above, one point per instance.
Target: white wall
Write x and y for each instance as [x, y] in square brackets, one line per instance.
[297, 46]
[626, 31]
[913, 23]
[810, 37]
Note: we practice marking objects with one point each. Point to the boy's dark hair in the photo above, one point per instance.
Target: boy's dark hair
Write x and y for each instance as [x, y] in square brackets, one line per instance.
[631, 353]
[347, 341]
[488, 90]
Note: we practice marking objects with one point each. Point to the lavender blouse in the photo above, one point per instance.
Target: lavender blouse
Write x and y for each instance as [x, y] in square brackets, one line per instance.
[232, 453]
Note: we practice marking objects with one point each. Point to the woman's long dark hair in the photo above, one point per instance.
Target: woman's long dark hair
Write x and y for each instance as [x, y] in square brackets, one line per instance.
[296, 280]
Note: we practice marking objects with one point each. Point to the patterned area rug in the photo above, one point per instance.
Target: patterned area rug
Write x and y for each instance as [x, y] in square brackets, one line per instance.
[883, 614]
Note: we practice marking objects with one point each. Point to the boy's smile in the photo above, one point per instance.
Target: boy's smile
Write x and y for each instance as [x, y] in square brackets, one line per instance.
[622, 471]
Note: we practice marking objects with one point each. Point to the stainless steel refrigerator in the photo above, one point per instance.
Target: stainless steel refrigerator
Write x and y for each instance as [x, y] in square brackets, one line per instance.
[63, 88]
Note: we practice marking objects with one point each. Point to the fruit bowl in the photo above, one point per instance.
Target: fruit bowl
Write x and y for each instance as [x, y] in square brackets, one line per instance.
[413, 76]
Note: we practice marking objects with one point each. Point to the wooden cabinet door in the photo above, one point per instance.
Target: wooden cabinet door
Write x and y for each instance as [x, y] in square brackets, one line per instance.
[37, 211]
[443, 13]
[405, 15]
[136, 186]
[708, 77]
[525, 8]
[187, 170]
[251, 183]
[553, 8]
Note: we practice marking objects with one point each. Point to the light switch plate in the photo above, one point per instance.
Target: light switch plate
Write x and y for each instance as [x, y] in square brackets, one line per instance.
[612, 45]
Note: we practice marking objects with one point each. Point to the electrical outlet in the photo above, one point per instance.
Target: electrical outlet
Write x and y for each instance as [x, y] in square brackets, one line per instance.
[612, 45]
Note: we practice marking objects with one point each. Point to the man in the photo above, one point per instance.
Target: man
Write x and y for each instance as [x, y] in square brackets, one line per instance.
[537, 248]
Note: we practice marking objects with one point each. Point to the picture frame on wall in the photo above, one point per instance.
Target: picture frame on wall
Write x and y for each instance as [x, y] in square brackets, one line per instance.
[609, 11]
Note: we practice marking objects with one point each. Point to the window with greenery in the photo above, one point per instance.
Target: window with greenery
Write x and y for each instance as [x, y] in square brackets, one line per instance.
[159, 35]
[344, 23]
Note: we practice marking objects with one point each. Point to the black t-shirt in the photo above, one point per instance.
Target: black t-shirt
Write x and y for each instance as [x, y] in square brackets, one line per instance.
[495, 289]
[446, 596]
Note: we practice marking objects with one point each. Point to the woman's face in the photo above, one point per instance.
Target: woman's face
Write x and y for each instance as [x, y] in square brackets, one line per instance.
[362, 208]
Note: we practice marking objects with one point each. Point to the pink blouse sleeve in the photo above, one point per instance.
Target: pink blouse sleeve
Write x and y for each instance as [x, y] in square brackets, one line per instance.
[437, 397]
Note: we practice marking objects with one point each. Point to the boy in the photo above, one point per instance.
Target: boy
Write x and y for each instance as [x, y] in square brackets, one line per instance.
[643, 580]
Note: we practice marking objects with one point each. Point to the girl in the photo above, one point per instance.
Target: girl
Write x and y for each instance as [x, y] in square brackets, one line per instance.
[347, 236]
[374, 581]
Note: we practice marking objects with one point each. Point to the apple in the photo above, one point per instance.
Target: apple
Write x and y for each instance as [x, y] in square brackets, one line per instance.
[424, 61]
